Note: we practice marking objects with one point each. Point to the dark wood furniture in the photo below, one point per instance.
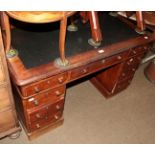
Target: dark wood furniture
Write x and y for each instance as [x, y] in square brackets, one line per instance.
[40, 84]
[9, 125]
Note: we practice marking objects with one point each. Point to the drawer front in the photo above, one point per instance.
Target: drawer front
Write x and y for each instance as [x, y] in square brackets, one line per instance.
[45, 122]
[38, 114]
[7, 120]
[130, 66]
[2, 76]
[44, 112]
[139, 50]
[44, 98]
[96, 66]
[48, 83]
[4, 98]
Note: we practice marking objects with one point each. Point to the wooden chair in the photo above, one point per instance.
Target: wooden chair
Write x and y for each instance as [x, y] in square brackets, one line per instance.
[38, 17]
[93, 19]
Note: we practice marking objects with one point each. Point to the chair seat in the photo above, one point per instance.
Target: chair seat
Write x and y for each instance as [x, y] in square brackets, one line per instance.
[39, 16]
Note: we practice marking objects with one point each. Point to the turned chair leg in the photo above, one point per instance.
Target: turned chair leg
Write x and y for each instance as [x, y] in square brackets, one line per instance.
[95, 29]
[62, 36]
[72, 27]
[140, 22]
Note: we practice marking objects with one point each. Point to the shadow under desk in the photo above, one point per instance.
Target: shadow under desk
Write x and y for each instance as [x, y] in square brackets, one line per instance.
[41, 85]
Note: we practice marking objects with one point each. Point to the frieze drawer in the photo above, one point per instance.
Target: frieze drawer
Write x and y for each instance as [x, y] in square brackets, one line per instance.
[139, 50]
[96, 66]
[42, 85]
[47, 97]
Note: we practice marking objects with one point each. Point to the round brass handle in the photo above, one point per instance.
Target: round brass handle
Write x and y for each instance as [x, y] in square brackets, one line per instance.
[38, 116]
[123, 74]
[36, 103]
[60, 79]
[84, 70]
[56, 117]
[128, 63]
[119, 57]
[57, 107]
[48, 82]
[37, 125]
[134, 52]
[58, 93]
[36, 89]
[133, 69]
[131, 60]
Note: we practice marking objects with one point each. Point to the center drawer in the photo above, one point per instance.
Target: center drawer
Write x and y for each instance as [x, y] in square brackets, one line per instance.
[96, 66]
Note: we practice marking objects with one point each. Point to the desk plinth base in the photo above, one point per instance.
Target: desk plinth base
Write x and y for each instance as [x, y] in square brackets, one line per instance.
[45, 129]
[106, 93]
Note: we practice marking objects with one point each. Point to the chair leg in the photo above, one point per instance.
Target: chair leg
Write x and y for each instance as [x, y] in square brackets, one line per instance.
[6, 28]
[62, 37]
[72, 27]
[140, 22]
[95, 29]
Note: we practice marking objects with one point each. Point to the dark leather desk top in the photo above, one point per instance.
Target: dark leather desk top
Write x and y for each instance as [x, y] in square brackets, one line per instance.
[40, 42]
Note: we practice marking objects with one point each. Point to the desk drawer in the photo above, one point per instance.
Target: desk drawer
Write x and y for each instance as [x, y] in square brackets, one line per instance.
[96, 66]
[45, 122]
[42, 85]
[44, 98]
[44, 112]
[130, 66]
[138, 50]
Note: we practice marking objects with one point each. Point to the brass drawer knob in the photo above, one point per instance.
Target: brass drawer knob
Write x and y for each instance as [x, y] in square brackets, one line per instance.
[131, 60]
[60, 80]
[128, 63]
[56, 117]
[36, 89]
[134, 51]
[36, 103]
[84, 70]
[58, 93]
[37, 125]
[38, 116]
[119, 57]
[57, 107]
[133, 69]
[48, 82]
[123, 74]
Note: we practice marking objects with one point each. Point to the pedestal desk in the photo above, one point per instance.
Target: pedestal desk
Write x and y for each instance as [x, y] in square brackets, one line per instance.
[40, 84]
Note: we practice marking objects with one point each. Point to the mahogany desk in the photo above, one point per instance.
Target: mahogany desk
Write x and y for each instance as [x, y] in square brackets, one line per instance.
[41, 85]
